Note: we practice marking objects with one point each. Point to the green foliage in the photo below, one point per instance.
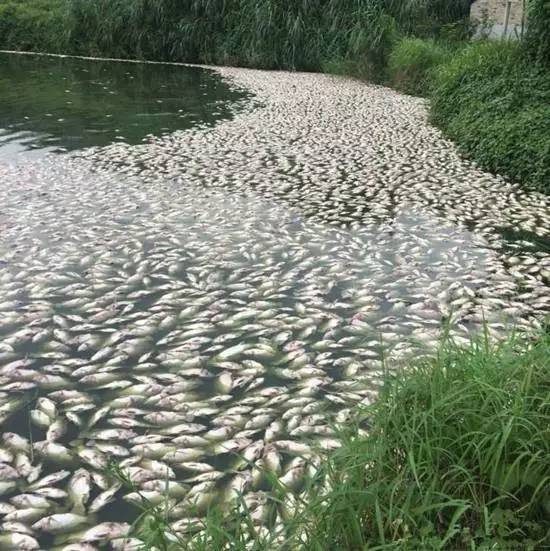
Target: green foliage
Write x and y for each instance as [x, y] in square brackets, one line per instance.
[458, 32]
[266, 34]
[436, 18]
[412, 62]
[496, 106]
[538, 31]
[36, 25]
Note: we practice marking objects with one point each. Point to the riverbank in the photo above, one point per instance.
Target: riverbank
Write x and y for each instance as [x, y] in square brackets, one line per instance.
[499, 120]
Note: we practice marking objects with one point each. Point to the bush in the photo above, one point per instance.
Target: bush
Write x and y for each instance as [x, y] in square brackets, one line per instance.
[411, 64]
[496, 106]
[33, 26]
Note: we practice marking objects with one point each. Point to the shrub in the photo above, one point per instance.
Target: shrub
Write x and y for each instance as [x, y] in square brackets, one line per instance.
[496, 106]
[411, 64]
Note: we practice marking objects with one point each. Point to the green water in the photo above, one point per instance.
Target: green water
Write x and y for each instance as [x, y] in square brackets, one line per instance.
[62, 104]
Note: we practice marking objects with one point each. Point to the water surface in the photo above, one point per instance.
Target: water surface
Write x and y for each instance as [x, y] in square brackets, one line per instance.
[62, 104]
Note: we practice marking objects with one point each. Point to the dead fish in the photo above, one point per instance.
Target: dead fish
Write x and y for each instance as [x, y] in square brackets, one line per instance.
[59, 523]
[16, 540]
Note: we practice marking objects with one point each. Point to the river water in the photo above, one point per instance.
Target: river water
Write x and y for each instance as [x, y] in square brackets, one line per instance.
[203, 271]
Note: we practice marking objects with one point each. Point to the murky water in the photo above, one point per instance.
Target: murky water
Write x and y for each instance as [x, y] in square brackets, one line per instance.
[54, 104]
[204, 305]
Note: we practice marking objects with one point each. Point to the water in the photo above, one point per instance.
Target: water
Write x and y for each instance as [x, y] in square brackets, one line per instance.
[57, 105]
[232, 287]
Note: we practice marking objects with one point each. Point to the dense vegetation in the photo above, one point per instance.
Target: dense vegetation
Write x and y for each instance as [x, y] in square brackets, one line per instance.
[489, 97]
[456, 456]
[35, 25]
[259, 33]
[412, 63]
[496, 106]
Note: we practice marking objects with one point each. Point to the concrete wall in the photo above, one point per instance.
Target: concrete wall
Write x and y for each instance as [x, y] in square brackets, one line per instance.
[503, 17]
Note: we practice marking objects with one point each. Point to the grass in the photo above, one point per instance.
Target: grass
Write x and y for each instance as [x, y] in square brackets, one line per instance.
[412, 62]
[455, 455]
[458, 457]
[265, 34]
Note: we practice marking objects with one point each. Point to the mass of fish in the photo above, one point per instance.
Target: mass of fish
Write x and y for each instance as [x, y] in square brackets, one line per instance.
[203, 310]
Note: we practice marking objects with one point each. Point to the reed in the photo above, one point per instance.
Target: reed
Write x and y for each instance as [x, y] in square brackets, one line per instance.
[284, 34]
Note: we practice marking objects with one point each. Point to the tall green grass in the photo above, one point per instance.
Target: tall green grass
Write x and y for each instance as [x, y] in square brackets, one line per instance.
[258, 33]
[454, 455]
[287, 34]
[412, 63]
[457, 457]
